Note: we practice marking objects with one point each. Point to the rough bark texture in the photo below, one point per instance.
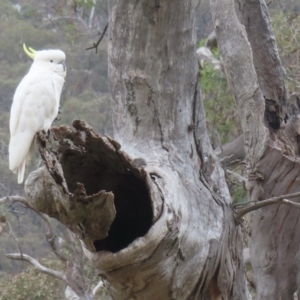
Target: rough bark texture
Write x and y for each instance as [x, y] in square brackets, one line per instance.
[274, 243]
[236, 53]
[274, 167]
[266, 59]
[173, 235]
[155, 99]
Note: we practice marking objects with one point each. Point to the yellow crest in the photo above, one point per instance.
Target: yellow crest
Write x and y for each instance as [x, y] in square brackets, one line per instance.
[30, 52]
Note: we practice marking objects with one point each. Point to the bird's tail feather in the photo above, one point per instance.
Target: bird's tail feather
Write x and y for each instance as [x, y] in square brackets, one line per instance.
[21, 172]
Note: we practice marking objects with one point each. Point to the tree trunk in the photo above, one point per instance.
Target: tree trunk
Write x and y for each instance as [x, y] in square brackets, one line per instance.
[270, 143]
[172, 234]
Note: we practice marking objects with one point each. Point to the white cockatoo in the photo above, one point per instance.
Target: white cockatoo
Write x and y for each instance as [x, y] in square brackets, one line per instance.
[35, 104]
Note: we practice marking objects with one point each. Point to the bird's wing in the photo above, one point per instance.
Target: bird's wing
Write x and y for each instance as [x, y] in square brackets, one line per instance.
[33, 109]
[35, 92]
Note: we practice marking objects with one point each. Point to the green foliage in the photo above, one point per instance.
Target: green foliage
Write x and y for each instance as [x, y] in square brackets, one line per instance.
[286, 30]
[238, 192]
[201, 43]
[220, 109]
[31, 284]
[222, 120]
[85, 3]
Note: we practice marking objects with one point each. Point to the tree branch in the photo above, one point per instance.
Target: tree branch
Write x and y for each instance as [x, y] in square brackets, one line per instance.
[242, 209]
[51, 237]
[95, 45]
[14, 199]
[38, 266]
[97, 288]
[56, 20]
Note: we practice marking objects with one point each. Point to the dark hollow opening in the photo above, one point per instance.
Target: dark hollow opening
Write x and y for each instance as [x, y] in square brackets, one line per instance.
[106, 171]
[272, 115]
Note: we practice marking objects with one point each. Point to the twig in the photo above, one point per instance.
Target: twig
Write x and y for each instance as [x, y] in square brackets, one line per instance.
[291, 203]
[14, 199]
[52, 238]
[242, 209]
[95, 45]
[11, 234]
[38, 266]
[97, 287]
[70, 277]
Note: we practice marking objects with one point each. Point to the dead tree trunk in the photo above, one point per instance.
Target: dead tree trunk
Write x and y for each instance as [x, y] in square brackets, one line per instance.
[270, 141]
[154, 215]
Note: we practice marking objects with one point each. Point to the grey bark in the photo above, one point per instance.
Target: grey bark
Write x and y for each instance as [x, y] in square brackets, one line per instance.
[268, 66]
[271, 145]
[233, 152]
[173, 235]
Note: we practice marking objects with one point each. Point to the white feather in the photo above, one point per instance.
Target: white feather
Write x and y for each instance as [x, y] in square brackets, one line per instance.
[35, 106]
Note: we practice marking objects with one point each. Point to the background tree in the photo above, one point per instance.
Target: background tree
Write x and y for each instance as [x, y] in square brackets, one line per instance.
[270, 139]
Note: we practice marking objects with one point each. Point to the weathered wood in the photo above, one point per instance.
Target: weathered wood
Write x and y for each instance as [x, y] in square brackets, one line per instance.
[83, 164]
[274, 239]
[232, 152]
[268, 66]
[236, 53]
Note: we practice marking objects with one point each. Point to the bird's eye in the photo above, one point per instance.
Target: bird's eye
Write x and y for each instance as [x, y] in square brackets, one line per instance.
[51, 60]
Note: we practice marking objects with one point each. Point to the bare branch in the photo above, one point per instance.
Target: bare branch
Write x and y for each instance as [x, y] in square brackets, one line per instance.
[38, 266]
[291, 203]
[52, 238]
[14, 199]
[242, 209]
[10, 200]
[11, 234]
[97, 287]
[232, 152]
[67, 19]
[95, 45]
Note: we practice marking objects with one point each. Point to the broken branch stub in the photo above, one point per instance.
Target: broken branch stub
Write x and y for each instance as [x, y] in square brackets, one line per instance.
[91, 186]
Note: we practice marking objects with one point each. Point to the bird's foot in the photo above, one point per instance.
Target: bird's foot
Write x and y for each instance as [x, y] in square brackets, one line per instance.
[57, 117]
